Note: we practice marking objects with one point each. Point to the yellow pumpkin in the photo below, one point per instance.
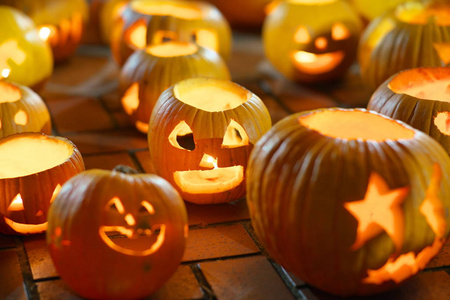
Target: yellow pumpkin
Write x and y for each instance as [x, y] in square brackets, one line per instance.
[24, 57]
[145, 22]
[370, 9]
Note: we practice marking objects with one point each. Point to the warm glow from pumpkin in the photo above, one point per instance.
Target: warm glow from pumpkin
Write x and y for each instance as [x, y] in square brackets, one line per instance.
[55, 192]
[442, 122]
[311, 63]
[137, 35]
[207, 38]
[211, 94]
[355, 125]
[26, 228]
[302, 36]
[311, 2]
[166, 8]
[24, 156]
[172, 49]
[44, 33]
[9, 92]
[321, 43]
[443, 50]
[10, 51]
[16, 204]
[339, 32]
[235, 136]
[5, 73]
[182, 129]
[21, 118]
[130, 100]
[420, 13]
[208, 161]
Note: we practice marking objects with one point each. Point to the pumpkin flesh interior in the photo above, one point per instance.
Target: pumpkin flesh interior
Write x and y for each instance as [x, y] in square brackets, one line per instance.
[166, 8]
[311, 2]
[355, 125]
[9, 92]
[211, 94]
[420, 13]
[172, 49]
[24, 156]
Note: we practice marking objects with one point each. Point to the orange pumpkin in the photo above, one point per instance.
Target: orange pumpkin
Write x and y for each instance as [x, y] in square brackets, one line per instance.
[350, 201]
[113, 235]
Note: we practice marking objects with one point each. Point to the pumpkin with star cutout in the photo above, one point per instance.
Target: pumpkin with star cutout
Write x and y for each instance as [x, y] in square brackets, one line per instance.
[22, 110]
[147, 22]
[350, 201]
[201, 133]
[312, 41]
[24, 58]
[115, 234]
[33, 167]
[414, 34]
[419, 97]
[148, 72]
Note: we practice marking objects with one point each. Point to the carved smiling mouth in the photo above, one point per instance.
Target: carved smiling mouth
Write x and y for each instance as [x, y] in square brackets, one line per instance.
[137, 242]
[212, 181]
[312, 63]
[26, 228]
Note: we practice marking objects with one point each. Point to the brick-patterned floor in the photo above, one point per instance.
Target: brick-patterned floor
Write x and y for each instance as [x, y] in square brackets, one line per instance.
[223, 259]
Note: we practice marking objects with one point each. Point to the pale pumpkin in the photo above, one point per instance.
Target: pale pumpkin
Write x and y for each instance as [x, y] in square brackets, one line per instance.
[113, 235]
[60, 23]
[21, 110]
[312, 41]
[24, 57]
[200, 136]
[33, 167]
[146, 22]
[350, 201]
[148, 72]
[414, 34]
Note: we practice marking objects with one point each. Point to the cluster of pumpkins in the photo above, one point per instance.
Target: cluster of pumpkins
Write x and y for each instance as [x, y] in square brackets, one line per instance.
[349, 200]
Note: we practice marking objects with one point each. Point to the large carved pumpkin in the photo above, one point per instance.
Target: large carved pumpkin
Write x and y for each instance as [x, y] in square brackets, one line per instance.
[33, 167]
[113, 235]
[414, 34]
[200, 136]
[311, 41]
[24, 57]
[148, 72]
[350, 201]
[146, 22]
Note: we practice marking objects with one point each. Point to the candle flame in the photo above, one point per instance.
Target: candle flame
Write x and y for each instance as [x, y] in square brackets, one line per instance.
[44, 33]
[212, 161]
[5, 73]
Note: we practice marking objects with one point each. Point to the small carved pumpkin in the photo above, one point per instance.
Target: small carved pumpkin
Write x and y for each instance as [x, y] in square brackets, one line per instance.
[113, 235]
[350, 201]
[33, 167]
[24, 57]
[311, 41]
[21, 110]
[148, 72]
[146, 22]
[414, 34]
[200, 136]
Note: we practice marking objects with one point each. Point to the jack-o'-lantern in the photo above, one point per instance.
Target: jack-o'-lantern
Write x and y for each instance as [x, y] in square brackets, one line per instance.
[149, 72]
[350, 201]
[33, 167]
[419, 97]
[414, 34]
[200, 136]
[60, 23]
[311, 41]
[108, 13]
[147, 22]
[24, 57]
[125, 231]
[21, 110]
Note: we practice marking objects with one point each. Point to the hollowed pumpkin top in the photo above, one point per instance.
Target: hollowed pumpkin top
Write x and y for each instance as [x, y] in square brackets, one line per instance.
[420, 13]
[182, 10]
[172, 49]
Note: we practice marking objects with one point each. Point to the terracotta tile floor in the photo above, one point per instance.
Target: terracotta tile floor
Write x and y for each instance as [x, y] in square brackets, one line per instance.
[223, 259]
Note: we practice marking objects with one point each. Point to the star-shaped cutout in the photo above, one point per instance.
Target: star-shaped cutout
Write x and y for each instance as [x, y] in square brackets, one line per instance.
[379, 210]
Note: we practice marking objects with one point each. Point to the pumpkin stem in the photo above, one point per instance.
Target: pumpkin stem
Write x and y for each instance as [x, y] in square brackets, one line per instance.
[125, 169]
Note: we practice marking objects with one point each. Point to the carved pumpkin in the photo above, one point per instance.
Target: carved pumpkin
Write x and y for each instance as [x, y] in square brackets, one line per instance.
[59, 22]
[200, 136]
[109, 12]
[311, 41]
[149, 72]
[146, 22]
[414, 34]
[350, 201]
[24, 57]
[21, 110]
[33, 167]
[123, 234]
[419, 97]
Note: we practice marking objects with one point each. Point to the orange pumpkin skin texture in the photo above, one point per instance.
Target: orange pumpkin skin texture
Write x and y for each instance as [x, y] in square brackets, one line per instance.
[401, 39]
[162, 20]
[96, 199]
[310, 41]
[25, 196]
[22, 110]
[149, 72]
[208, 127]
[418, 97]
[314, 174]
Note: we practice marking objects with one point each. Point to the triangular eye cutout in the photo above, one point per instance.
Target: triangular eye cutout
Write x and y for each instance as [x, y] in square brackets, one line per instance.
[136, 35]
[146, 207]
[235, 136]
[16, 204]
[115, 205]
[339, 32]
[302, 35]
[182, 137]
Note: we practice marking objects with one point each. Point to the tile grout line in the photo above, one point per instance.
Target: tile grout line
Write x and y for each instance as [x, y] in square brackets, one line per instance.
[25, 268]
[266, 88]
[203, 282]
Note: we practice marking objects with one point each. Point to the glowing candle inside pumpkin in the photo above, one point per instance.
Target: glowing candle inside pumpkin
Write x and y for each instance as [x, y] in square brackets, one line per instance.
[9, 92]
[5, 73]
